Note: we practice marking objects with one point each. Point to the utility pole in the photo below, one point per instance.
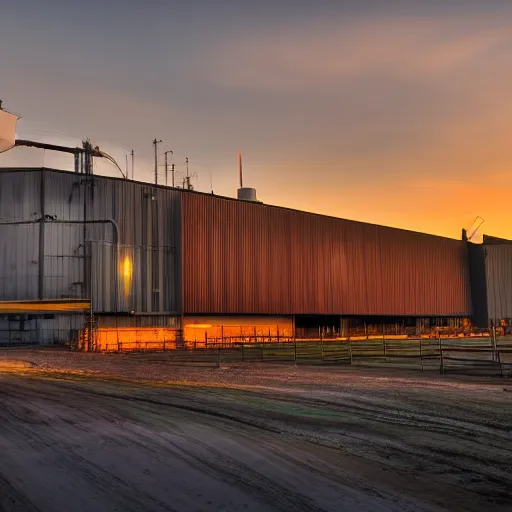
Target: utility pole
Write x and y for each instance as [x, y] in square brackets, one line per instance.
[166, 166]
[172, 172]
[155, 143]
[187, 176]
[133, 163]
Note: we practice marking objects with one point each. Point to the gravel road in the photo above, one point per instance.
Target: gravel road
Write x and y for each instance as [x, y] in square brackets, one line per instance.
[354, 442]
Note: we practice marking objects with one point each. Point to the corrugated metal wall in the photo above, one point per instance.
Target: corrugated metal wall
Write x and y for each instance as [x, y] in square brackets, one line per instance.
[149, 231]
[498, 268]
[19, 245]
[249, 258]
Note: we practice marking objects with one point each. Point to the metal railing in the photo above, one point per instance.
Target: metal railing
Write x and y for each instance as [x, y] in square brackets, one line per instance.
[444, 355]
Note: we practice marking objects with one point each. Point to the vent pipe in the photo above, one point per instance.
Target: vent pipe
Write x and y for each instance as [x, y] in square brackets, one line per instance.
[240, 170]
[244, 193]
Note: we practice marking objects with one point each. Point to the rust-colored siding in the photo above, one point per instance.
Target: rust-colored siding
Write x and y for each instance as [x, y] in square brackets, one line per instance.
[241, 257]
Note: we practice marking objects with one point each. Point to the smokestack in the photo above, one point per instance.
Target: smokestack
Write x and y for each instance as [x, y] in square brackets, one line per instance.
[240, 170]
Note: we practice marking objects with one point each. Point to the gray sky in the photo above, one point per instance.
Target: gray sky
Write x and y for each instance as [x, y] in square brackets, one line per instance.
[390, 112]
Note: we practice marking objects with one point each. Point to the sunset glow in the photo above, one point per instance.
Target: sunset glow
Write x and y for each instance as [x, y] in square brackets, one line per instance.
[398, 116]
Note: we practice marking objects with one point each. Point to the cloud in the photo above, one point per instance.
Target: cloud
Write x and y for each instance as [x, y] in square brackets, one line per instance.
[305, 57]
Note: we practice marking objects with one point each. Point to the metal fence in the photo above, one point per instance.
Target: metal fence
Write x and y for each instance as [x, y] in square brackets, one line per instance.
[484, 355]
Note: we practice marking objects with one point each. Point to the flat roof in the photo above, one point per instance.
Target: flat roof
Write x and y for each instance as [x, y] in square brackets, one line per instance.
[227, 198]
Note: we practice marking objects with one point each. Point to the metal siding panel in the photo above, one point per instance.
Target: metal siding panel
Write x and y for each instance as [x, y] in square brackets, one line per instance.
[19, 245]
[257, 259]
[116, 199]
[498, 269]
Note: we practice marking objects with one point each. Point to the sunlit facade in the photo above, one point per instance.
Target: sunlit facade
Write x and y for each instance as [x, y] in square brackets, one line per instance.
[158, 265]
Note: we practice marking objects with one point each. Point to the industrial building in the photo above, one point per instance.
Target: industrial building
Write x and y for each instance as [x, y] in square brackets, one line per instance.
[143, 256]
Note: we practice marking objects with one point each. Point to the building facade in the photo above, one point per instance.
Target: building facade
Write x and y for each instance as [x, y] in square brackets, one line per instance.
[158, 257]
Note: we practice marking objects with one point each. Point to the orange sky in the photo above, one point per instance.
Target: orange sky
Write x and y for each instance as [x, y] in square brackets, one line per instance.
[400, 116]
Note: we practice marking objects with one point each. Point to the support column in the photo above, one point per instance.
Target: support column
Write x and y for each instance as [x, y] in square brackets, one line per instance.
[40, 277]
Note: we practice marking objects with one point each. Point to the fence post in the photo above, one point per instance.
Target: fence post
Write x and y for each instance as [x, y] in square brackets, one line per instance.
[421, 355]
[322, 349]
[384, 340]
[91, 330]
[278, 334]
[205, 339]
[441, 362]
[350, 350]
[295, 352]
[494, 343]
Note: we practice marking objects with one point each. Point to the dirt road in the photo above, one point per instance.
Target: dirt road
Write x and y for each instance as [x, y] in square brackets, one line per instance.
[89, 443]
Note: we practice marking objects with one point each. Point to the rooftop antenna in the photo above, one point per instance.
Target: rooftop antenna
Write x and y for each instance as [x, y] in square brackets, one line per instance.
[187, 178]
[167, 166]
[240, 170]
[477, 223]
[172, 173]
[155, 143]
[133, 163]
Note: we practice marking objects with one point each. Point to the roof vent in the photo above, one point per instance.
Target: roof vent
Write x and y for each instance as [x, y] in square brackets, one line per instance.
[247, 194]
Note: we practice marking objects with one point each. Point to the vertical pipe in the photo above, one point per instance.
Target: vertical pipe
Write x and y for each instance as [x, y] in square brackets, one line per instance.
[166, 168]
[155, 143]
[240, 169]
[133, 163]
[40, 287]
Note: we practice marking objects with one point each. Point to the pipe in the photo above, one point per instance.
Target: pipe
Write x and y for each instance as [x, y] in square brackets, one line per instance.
[54, 147]
[75, 151]
[115, 228]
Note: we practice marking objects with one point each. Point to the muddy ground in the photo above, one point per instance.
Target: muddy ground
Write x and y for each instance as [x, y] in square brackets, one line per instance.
[105, 433]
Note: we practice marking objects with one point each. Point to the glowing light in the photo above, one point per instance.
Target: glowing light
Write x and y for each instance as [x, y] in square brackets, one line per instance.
[127, 272]
[198, 326]
[127, 268]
